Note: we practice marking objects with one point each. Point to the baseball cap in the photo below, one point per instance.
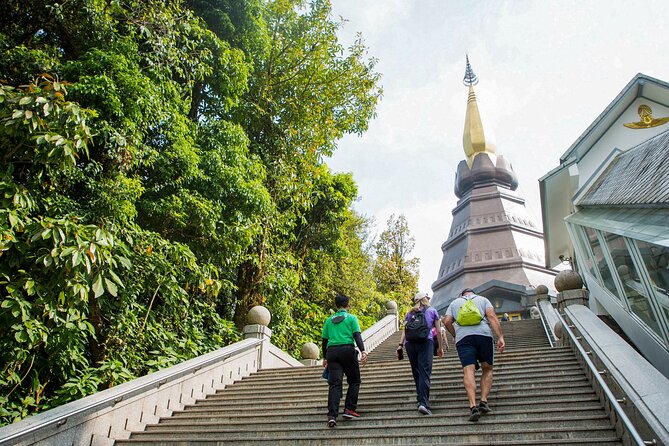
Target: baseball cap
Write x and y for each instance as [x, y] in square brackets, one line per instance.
[419, 295]
[466, 290]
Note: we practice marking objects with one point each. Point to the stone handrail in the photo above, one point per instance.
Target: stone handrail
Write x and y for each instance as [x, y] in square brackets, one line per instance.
[114, 413]
[626, 373]
[379, 332]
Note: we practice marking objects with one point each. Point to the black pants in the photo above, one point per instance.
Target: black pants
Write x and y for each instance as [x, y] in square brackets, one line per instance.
[342, 360]
[420, 358]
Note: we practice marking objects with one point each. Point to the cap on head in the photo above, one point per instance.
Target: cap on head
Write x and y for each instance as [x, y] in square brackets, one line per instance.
[466, 290]
[420, 295]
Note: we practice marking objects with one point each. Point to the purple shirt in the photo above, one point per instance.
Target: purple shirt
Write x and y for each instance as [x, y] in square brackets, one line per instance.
[431, 315]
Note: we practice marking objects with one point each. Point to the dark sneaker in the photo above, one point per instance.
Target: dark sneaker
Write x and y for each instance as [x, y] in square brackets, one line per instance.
[475, 414]
[351, 414]
[424, 410]
[477, 365]
[332, 422]
[484, 408]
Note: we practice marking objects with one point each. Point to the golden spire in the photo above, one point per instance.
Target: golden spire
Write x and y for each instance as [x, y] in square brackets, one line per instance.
[473, 139]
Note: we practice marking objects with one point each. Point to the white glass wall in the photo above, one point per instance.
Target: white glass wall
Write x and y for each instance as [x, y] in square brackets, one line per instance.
[634, 272]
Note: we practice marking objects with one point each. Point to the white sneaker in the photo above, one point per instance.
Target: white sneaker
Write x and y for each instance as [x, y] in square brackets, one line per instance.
[424, 410]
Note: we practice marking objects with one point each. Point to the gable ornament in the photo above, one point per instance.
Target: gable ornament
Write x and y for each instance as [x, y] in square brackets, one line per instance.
[647, 121]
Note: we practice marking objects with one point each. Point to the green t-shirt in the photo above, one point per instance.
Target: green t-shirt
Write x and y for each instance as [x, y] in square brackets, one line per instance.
[339, 328]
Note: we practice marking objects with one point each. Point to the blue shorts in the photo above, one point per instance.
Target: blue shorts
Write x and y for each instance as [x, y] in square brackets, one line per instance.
[474, 348]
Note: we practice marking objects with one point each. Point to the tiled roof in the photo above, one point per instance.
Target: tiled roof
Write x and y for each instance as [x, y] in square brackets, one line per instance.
[638, 176]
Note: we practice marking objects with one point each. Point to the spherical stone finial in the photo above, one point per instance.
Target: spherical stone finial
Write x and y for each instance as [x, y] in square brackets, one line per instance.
[309, 351]
[258, 315]
[391, 305]
[558, 330]
[568, 280]
[541, 289]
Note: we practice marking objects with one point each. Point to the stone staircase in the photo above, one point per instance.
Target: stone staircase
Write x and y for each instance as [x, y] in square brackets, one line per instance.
[540, 396]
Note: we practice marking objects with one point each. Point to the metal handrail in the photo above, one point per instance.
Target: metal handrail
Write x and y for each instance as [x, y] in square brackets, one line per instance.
[631, 430]
[544, 324]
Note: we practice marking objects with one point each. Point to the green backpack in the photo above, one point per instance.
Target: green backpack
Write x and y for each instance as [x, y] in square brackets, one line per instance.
[469, 314]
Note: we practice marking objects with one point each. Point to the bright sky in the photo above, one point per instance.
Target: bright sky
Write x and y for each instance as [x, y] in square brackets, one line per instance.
[546, 70]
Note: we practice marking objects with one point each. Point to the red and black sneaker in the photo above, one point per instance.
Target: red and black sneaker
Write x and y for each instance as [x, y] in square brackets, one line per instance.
[351, 414]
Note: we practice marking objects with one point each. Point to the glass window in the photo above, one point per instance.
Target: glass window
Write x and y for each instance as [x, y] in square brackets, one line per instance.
[600, 262]
[656, 259]
[589, 264]
[635, 292]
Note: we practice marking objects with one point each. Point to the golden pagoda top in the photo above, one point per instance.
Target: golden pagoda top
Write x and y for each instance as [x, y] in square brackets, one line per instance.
[473, 138]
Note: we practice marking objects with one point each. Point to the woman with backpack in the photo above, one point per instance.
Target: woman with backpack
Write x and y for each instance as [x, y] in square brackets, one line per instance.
[418, 340]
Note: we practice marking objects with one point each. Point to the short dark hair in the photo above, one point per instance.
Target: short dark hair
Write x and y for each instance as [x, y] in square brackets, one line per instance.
[466, 290]
[341, 300]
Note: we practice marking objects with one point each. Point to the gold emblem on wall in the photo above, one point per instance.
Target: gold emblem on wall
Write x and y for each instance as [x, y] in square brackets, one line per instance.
[647, 120]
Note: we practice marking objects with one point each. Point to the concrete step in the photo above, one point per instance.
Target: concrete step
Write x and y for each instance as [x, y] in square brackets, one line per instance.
[520, 411]
[391, 427]
[455, 406]
[538, 351]
[438, 380]
[554, 405]
[345, 434]
[405, 391]
[351, 442]
[408, 402]
[381, 370]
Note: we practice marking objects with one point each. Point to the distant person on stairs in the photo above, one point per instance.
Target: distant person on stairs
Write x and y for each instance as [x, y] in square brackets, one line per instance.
[418, 339]
[469, 319]
[341, 333]
[444, 340]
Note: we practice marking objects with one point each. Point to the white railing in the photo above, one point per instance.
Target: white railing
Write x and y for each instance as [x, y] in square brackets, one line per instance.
[116, 412]
[379, 332]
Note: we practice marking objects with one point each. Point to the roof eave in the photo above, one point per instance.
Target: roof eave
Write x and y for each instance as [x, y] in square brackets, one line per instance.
[628, 94]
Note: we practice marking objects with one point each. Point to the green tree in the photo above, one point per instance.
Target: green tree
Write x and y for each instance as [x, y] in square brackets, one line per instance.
[305, 92]
[165, 176]
[396, 273]
[93, 289]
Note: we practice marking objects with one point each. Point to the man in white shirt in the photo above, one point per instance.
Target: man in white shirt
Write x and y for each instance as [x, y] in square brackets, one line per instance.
[474, 344]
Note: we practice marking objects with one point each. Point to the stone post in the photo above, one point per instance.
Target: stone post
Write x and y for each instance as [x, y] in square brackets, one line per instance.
[391, 310]
[570, 289]
[257, 321]
[309, 354]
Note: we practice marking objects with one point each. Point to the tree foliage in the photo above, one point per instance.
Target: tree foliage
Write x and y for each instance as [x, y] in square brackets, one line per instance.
[395, 271]
[162, 172]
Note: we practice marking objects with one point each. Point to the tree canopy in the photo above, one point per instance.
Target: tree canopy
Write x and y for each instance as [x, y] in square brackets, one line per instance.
[161, 173]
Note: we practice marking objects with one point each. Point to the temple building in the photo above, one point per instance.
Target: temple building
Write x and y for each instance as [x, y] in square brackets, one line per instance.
[605, 207]
[494, 245]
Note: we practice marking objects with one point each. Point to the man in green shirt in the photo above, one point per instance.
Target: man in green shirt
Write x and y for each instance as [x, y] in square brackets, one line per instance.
[341, 333]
